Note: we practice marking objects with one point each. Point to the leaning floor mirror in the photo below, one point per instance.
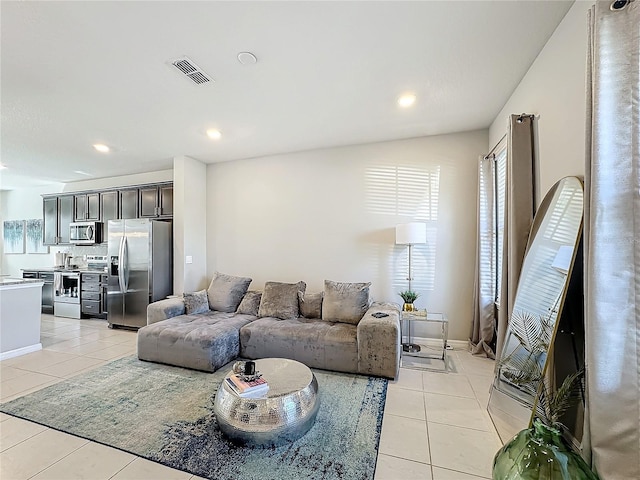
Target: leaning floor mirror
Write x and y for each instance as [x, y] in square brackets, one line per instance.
[554, 244]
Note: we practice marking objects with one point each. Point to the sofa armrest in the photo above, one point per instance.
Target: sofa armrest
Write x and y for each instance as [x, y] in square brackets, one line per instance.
[379, 341]
[163, 309]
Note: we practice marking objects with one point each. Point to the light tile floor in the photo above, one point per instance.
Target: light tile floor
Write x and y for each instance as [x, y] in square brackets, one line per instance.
[435, 425]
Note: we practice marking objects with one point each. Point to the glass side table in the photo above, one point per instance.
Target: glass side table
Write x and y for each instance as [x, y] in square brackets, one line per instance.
[412, 351]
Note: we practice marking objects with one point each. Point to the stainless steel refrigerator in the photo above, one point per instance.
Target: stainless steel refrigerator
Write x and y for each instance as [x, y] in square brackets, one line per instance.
[140, 269]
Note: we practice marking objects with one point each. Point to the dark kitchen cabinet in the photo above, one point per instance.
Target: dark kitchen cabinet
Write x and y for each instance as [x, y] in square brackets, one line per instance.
[50, 221]
[58, 213]
[109, 209]
[156, 201]
[143, 201]
[91, 291]
[87, 207]
[47, 288]
[128, 203]
[65, 217]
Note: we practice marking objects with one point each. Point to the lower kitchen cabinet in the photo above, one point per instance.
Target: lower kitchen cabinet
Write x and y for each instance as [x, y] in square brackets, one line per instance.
[47, 288]
[93, 289]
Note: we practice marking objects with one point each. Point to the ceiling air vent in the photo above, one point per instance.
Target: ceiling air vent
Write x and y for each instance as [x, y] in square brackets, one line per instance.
[188, 68]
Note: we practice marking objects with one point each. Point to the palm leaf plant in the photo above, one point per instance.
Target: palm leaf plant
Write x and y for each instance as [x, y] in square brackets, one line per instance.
[409, 296]
[539, 452]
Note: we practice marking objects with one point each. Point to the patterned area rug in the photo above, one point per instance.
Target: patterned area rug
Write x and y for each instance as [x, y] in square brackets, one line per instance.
[165, 414]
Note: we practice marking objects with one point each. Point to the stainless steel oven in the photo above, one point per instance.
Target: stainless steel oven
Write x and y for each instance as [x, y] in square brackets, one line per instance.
[85, 233]
[66, 300]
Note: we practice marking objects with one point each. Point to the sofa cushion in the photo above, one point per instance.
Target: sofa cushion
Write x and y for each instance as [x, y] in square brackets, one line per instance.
[226, 292]
[345, 302]
[250, 303]
[280, 300]
[197, 302]
[205, 341]
[316, 343]
[310, 304]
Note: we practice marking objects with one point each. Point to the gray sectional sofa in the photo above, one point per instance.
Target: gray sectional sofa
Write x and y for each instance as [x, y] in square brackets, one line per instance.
[334, 330]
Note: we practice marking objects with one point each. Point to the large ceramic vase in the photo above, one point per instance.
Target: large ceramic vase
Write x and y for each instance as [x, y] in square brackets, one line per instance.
[539, 453]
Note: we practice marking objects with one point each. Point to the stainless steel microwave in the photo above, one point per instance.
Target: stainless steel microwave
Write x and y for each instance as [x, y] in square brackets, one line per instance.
[85, 233]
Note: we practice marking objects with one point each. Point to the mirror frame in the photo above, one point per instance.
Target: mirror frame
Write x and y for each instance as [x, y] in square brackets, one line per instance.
[509, 411]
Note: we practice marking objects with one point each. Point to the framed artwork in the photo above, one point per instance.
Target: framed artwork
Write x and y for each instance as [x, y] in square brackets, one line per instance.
[34, 236]
[13, 236]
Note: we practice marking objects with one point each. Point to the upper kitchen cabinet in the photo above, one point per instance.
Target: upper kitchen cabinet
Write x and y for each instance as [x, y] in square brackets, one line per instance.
[87, 207]
[156, 201]
[139, 201]
[128, 203]
[109, 209]
[58, 213]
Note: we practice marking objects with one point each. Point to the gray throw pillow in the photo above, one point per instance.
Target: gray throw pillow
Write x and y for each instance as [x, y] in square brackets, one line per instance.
[345, 302]
[310, 304]
[250, 303]
[226, 292]
[280, 300]
[197, 302]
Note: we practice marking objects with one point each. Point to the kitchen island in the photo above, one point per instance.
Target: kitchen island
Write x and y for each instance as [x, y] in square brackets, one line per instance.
[20, 301]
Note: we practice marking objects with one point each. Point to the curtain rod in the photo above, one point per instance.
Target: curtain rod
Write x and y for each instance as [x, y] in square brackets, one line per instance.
[488, 155]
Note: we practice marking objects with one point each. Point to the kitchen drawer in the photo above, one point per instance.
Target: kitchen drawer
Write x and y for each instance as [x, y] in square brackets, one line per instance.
[91, 287]
[47, 277]
[29, 274]
[90, 307]
[91, 277]
[95, 296]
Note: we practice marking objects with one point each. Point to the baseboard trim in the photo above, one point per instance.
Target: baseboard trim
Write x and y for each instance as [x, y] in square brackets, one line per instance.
[20, 351]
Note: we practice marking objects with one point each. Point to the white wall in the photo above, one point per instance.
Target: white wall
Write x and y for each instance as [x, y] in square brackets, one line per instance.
[26, 203]
[189, 225]
[331, 214]
[554, 88]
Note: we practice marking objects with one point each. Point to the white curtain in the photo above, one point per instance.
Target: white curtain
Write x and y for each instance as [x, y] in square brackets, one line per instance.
[484, 314]
[612, 240]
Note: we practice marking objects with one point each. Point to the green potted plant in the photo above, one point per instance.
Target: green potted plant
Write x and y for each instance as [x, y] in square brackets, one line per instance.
[539, 452]
[408, 297]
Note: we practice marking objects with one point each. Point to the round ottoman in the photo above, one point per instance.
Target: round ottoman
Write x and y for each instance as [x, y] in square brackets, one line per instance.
[284, 414]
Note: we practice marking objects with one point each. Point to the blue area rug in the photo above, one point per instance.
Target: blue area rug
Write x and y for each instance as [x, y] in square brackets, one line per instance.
[165, 414]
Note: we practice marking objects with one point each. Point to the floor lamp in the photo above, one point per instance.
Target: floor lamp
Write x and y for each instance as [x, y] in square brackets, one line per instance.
[410, 234]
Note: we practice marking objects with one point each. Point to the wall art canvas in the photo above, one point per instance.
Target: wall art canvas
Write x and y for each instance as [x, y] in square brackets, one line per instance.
[13, 236]
[34, 237]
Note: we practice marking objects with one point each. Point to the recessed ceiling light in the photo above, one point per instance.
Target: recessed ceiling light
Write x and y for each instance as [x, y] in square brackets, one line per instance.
[214, 134]
[101, 148]
[2, 167]
[247, 58]
[407, 100]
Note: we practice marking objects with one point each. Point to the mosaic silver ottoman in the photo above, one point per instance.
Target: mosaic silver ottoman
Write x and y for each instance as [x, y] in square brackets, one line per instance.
[283, 415]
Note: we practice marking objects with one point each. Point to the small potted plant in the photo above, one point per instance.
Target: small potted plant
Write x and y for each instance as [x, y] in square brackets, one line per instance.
[409, 297]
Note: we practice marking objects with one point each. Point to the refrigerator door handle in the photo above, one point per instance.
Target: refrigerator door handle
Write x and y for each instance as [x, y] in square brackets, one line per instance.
[125, 263]
[121, 265]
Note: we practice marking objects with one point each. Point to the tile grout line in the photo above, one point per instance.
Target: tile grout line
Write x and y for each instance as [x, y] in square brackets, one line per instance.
[62, 458]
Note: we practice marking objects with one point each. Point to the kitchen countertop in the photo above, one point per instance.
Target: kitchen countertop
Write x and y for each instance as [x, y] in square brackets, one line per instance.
[18, 281]
[56, 269]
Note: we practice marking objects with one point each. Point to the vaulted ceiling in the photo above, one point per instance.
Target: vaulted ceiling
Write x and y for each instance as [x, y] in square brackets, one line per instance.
[74, 74]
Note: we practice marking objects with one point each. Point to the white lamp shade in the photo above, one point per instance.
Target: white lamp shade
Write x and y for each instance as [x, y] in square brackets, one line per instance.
[562, 261]
[411, 233]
